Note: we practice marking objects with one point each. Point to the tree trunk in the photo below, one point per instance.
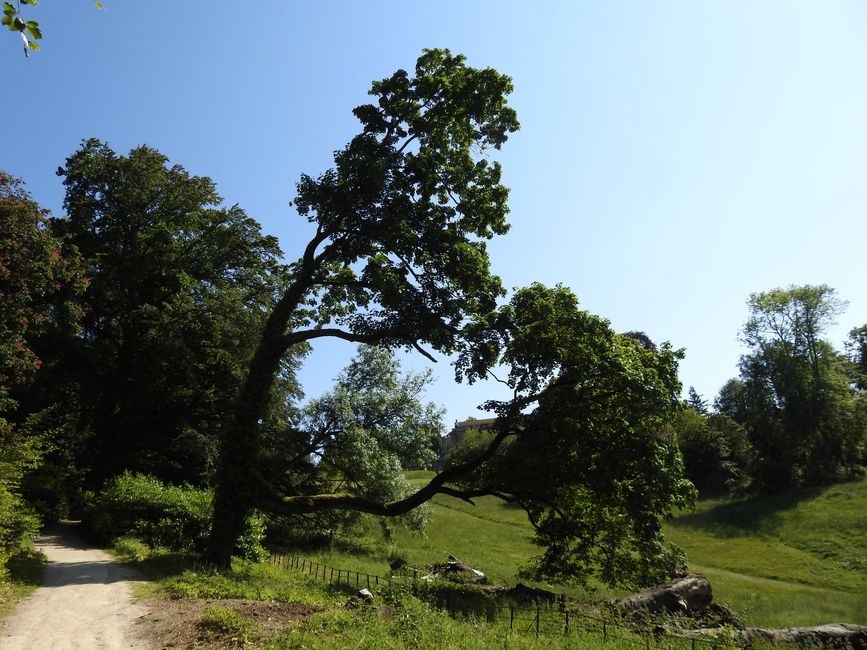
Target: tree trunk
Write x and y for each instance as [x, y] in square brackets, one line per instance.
[688, 593]
[238, 479]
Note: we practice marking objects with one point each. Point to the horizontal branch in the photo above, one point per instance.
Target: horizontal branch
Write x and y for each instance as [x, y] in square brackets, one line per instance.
[322, 502]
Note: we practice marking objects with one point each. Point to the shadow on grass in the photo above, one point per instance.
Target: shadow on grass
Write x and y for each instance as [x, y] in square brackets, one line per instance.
[26, 568]
[758, 514]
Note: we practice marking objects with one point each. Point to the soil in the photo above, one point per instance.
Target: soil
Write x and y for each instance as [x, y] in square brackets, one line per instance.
[176, 623]
[85, 603]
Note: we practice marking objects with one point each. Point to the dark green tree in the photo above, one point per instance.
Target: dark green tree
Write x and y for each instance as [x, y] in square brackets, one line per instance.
[696, 402]
[398, 259]
[716, 451]
[178, 288]
[856, 347]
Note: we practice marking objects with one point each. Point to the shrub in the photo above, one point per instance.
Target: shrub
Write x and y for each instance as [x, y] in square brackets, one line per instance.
[161, 515]
[18, 523]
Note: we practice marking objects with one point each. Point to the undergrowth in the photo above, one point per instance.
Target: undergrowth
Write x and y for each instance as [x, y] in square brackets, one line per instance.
[22, 577]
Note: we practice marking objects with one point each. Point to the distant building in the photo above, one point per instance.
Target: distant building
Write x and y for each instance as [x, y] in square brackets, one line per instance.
[454, 437]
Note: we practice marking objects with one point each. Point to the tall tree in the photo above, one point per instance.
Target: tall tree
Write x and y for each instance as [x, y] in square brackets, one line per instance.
[696, 402]
[361, 435]
[398, 259]
[799, 400]
[179, 285]
[40, 279]
[398, 256]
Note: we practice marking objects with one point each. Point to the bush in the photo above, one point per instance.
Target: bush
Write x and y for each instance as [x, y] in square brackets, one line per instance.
[161, 515]
[18, 523]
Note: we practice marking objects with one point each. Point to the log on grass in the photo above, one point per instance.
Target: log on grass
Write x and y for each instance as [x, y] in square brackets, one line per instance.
[683, 594]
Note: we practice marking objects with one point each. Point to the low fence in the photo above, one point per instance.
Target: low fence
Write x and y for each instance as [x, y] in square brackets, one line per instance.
[541, 620]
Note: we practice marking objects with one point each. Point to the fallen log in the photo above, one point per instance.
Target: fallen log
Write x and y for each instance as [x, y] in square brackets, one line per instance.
[831, 635]
[684, 594]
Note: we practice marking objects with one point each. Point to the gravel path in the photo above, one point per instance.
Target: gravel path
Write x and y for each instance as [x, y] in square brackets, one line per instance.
[84, 601]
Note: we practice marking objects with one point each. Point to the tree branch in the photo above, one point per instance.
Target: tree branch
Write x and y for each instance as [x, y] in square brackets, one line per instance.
[322, 502]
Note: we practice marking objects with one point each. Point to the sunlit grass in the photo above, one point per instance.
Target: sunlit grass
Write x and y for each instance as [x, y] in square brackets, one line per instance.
[795, 559]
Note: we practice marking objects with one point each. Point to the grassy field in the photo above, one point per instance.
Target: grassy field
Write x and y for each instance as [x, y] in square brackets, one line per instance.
[794, 559]
[397, 620]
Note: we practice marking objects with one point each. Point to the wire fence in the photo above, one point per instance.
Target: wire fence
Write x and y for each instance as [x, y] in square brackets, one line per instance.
[540, 619]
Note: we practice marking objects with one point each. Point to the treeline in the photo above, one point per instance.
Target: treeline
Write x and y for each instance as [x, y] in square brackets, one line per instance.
[797, 413]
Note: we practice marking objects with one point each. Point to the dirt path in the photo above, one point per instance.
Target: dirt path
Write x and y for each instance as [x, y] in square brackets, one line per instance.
[84, 601]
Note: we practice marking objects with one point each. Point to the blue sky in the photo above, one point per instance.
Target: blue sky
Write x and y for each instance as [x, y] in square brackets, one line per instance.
[673, 158]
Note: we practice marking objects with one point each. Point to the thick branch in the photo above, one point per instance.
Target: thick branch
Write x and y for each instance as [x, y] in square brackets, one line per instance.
[321, 502]
[308, 335]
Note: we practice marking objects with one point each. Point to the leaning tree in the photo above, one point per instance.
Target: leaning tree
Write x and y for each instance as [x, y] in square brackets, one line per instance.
[398, 259]
[398, 255]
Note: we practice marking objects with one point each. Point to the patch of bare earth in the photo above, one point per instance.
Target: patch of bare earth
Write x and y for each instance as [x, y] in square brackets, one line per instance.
[175, 623]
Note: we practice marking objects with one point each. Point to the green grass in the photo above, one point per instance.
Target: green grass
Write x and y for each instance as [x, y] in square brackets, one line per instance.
[794, 559]
[24, 573]
[415, 624]
[397, 619]
[798, 558]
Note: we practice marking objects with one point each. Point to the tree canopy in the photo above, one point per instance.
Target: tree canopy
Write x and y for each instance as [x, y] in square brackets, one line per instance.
[398, 258]
[178, 287]
[795, 396]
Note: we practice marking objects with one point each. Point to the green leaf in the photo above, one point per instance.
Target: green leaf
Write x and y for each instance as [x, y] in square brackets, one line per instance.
[7, 20]
[33, 29]
[19, 24]
[34, 46]
[99, 5]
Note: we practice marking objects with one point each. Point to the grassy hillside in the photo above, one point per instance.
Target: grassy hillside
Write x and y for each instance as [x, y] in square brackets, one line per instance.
[796, 558]
[793, 559]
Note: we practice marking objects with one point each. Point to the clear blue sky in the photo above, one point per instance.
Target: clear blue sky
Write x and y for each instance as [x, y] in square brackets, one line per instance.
[673, 158]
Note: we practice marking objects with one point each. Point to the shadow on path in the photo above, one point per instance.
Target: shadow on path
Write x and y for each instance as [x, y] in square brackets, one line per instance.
[84, 601]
